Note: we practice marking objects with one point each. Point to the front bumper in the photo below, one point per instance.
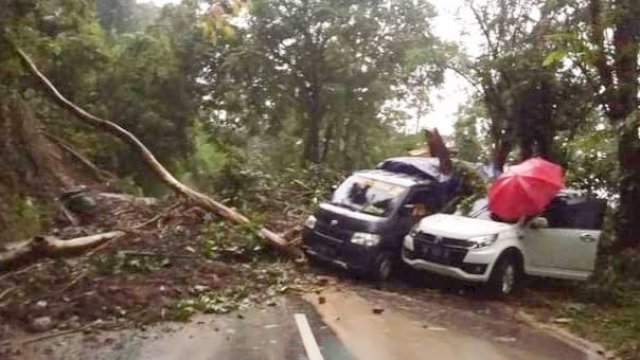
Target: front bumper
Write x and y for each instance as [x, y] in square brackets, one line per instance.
[338, 252]
[467, 271]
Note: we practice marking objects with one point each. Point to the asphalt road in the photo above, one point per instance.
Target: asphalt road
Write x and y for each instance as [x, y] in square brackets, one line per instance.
[351, 321]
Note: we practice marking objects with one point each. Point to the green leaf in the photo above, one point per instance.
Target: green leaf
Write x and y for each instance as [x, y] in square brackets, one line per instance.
[554, 57]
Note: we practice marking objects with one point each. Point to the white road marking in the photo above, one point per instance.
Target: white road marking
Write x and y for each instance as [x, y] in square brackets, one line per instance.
[308, 340]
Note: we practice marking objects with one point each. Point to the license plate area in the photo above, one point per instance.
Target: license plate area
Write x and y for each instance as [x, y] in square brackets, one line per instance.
[435, 253]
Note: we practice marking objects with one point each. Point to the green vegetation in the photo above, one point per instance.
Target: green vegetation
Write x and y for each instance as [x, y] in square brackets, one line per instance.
[24, 218]
[270, 102]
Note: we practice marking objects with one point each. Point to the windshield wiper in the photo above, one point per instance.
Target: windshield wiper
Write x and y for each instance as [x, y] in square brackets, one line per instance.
[343, 205]
[479, 212]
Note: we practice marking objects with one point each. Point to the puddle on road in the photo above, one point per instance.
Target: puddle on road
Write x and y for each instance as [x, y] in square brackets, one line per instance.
[416, 330]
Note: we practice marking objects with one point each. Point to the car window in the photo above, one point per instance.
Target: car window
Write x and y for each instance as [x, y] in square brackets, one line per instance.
[422, 197]
[368, 196]
[576, 213]
[426, 203]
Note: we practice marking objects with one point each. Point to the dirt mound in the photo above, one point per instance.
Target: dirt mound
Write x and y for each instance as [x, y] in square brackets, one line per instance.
[174, 260]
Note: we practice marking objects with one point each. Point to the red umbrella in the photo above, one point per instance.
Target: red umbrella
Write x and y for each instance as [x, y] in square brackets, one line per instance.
[525, 189]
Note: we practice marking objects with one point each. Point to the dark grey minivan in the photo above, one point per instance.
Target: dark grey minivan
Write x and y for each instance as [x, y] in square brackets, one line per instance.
[362, 226]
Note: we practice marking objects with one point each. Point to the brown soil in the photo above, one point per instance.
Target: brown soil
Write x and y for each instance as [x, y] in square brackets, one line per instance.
[143, 276]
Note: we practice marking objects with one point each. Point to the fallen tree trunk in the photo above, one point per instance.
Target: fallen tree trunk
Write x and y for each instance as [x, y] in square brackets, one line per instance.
[50, 245]
[148, 158]
[41, 246]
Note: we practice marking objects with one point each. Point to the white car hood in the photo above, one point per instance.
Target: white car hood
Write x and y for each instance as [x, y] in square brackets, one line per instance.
[460, 227]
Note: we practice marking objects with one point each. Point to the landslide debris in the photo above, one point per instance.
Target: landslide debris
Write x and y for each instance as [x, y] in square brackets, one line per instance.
[173, 261]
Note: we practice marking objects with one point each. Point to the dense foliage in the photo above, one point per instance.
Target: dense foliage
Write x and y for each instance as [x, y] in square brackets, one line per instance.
[559, 79]
[313, 76]
[248, 99]
[226, 91]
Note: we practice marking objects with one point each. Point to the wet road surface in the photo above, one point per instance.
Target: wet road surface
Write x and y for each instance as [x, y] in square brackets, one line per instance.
[421, 325]
[441, 328]
[269, 333]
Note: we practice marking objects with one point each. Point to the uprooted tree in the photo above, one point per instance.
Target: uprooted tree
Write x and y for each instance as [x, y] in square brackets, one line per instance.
[164, 176]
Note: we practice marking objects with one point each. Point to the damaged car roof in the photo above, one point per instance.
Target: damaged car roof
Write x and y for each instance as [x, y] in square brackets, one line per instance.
[396, 178]
[424, 167]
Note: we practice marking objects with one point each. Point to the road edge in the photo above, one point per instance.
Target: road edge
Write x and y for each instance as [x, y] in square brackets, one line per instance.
[564, 335]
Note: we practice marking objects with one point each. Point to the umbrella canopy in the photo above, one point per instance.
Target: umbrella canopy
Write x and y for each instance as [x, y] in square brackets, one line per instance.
[525, 189]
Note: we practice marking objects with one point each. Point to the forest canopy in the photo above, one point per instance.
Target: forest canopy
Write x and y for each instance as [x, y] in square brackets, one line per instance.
[223, 92]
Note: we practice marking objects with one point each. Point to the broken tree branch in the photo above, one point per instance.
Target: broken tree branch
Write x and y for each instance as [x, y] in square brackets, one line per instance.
[51, 246]
[6, 292]
[438, 148]
[95, 324]
[72, 218]
[154, 254]
[53, 335]
[147, 156]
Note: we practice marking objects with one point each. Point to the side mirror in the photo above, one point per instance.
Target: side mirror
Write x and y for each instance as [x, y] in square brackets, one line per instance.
[539, 223]
[407, 209]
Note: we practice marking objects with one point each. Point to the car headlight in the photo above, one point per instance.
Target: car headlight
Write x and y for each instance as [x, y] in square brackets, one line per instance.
[365, 239]
[408, 241]
[484, 241]
[310, 222]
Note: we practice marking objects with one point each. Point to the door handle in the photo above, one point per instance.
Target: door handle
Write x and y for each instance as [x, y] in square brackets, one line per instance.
[588, 238]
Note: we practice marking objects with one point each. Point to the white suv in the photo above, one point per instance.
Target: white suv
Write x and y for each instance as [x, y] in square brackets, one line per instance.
[561, 243]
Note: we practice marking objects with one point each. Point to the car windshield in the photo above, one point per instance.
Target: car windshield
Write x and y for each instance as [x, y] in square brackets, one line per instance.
[480, 210]
[367, 195]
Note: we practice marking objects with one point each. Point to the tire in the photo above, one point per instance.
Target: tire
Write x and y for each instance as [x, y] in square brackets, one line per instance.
[382, 267]
[506, 275]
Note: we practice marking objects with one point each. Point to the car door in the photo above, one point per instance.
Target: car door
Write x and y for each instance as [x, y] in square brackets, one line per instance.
[567, 248]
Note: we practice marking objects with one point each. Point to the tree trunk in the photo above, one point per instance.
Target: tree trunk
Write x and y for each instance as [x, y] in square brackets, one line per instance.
[312, 148]
[312, 104]
[148, 158]
[328, 138]
[629, 159]
[619, 81]
[51, 246]
[312, 138]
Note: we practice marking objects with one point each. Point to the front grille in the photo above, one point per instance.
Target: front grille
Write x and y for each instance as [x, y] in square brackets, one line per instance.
[334, 232]
[431, 239]
[447, 252]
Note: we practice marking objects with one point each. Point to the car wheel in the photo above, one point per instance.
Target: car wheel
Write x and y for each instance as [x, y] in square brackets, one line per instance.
[382, 267]
[506, 275]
